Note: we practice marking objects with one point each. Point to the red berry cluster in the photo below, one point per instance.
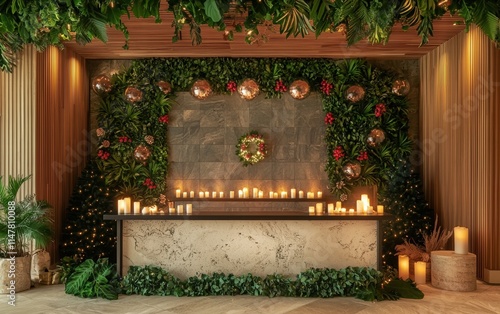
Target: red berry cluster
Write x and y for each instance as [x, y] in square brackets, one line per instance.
[280, 87]
[149, 183]
[325, 87]
[104, 155]
[379, 110]
[338, 152]
[329, 118]
[231, 86]
[363, 155]
[163, 119]
[262, 147]
[124, 139]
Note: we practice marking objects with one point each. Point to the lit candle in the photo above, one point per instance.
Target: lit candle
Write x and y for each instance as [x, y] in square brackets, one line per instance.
[284, 194]
[178, 193]
[403, 267]
[191, 194]
[121, 206]
[137, 207]
[351, 211]
[301, 194]
[162, 212]
[380, 209]
[338, 205]
[311, 210]
[231, 194]
[245, 193]
[343, 210]
[370, 210]
[145, 210]
[214, 194]
[461, 236]
[153, 209]
[221, 194]
[189, 209]
[128, 205]
[180, 209]
[201, 195]
[310, 195]
[240, 193]
[255, 192]
[320, 194]
[261, 194]
[271, 194]
[420, 272]
[293, 193]
[171, 210]
[359, 206]
[207, 194]
[184, 194]
[275, 195]
[330, 208]
[319, 208]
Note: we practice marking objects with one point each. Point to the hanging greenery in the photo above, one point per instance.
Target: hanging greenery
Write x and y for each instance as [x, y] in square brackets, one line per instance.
[52, 22]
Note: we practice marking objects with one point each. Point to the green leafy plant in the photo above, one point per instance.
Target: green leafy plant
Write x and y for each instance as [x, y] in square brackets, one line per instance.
[93, 279]
[151, 280]
[22, 222]
[66, 266]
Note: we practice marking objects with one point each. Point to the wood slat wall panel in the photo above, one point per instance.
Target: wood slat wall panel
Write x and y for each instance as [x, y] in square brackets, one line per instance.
[62, 136]
[459, 123]
[17, 116]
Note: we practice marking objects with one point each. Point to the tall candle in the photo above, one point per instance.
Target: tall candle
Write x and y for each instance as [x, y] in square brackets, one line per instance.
[380, 209]
[320, 194]
[189, 209]
[245, 193]
[359, 206]
[271, 194]
[420, 272]
[403, 267]
[121, 206]
[221, 194]
[461, 240]
[180, 209]
[178, 193]
[338, 205]
[128, 205]
[137, 207]
[214, 194]
[240, 193]
[319, 208]
[184, 194]
[261, 194]
[231, 194]
[255, 192]
[301, 194]
[293, 193]
[191, 194]
[330, 208]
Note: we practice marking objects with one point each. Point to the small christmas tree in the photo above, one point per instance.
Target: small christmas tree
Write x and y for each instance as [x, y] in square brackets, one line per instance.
[404, 198]
[86, 235]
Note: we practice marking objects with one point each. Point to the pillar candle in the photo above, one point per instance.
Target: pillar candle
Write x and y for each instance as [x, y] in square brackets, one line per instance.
[245, 193]
[330, 208]
[284, 194]
[380, 209]
[184, 194]
[420, 272]
[178, 193]
[145, 210]
[271, 194]
[240, 193]
[231, 194]
[201, 194]
[207, 194]
[338, 205]
[351, 211]
[189, 209]
[359, 206]
[461, 237]
[275, 195]
[180, 209]
[293, 193]
[310, 195]
[214, 194]
[255, 192]
[403, 267]
[128, 205]
[319, 208]
[301, 194]
[320, 194]
[311, 209]
[343, 210]
[221, 194]
[137, 207]
[121, 206]
[171, 210]
[191, 194]
[261, 194]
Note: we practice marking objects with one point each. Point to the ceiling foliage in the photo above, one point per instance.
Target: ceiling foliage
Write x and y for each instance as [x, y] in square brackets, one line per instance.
[52, 22]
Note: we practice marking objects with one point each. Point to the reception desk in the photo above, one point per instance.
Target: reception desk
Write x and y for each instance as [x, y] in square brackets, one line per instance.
[260, 243]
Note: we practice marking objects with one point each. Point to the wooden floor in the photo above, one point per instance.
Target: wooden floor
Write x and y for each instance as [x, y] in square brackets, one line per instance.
[52, 299]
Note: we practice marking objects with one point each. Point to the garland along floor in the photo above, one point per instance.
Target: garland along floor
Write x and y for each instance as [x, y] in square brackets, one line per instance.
[52, 299]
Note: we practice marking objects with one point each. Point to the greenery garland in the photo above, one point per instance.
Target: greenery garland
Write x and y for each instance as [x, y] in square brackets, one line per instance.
[251, 148]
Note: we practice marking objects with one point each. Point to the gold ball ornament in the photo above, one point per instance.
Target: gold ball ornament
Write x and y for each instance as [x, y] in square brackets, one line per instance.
[401, 87]
[165, 87]
[375, 137]
[248, 89]
[132, 94]
[201, 89]
[352, 170]
[141, 154]
[355, 93]
[101, 84]
[299, 89]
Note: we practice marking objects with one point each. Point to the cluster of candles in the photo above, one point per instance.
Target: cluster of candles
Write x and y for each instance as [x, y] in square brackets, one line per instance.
[125, 207]
[362, 207]
[461, 237]
[245, 193]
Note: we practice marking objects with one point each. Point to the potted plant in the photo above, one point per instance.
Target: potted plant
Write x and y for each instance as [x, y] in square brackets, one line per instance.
[21, 223]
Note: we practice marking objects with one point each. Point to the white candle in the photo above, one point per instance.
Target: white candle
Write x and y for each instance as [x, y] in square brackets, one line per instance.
[351, 211]
[403, 267]
[420, 272]
[201, 195]
[293, 193]
[311, 209]
[343, 210]
[171, 210]
[364, 198]
[189, 209]
[271, 194]
[255, 192]
[330, 208]
[359, 206]
[128, 205]
[320, 194]
[240, 193]
[121, 206]
[245, 193]
[191, 194]
[207, 194]
[284, 194]
[153, 209]
[221, 194]
[275, 195]
[301, 194]
[310, 195]
[178, 193]
[261, 194]
[380, 209]
[137, 207]
[338, 205]
[461, 236]
[319, 208]
[180, 209]
[214, 194]
[145, 210]
[184, 194]
[231, 194]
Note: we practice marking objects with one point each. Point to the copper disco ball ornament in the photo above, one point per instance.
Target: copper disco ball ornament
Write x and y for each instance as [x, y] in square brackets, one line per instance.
[355, 93]
[165, 87]
[141, 154]
[132, 94]
[352, 170]
[375, 137]
[201, 89]
[401, 87]
[248, 89]
[101, 84]
[299, 89]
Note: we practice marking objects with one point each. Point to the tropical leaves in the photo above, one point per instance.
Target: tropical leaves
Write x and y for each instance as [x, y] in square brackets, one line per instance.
[294, 18]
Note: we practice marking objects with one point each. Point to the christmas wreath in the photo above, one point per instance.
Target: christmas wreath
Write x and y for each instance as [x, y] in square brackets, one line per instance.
[251, 148]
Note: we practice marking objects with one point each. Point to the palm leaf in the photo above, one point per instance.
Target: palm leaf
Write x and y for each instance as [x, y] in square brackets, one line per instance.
[485, 18]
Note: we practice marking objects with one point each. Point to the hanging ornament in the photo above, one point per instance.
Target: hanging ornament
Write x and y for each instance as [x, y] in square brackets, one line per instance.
[132, 94]
[201, 89]
[401, 87]
[141, 154]
[248, 89]
[101, 84]
[355, 93]
[375, 137]
[352, 170]
[165, 87]
[299, 89]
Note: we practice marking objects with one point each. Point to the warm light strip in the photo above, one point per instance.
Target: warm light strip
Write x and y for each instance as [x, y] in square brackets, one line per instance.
[460, 123]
